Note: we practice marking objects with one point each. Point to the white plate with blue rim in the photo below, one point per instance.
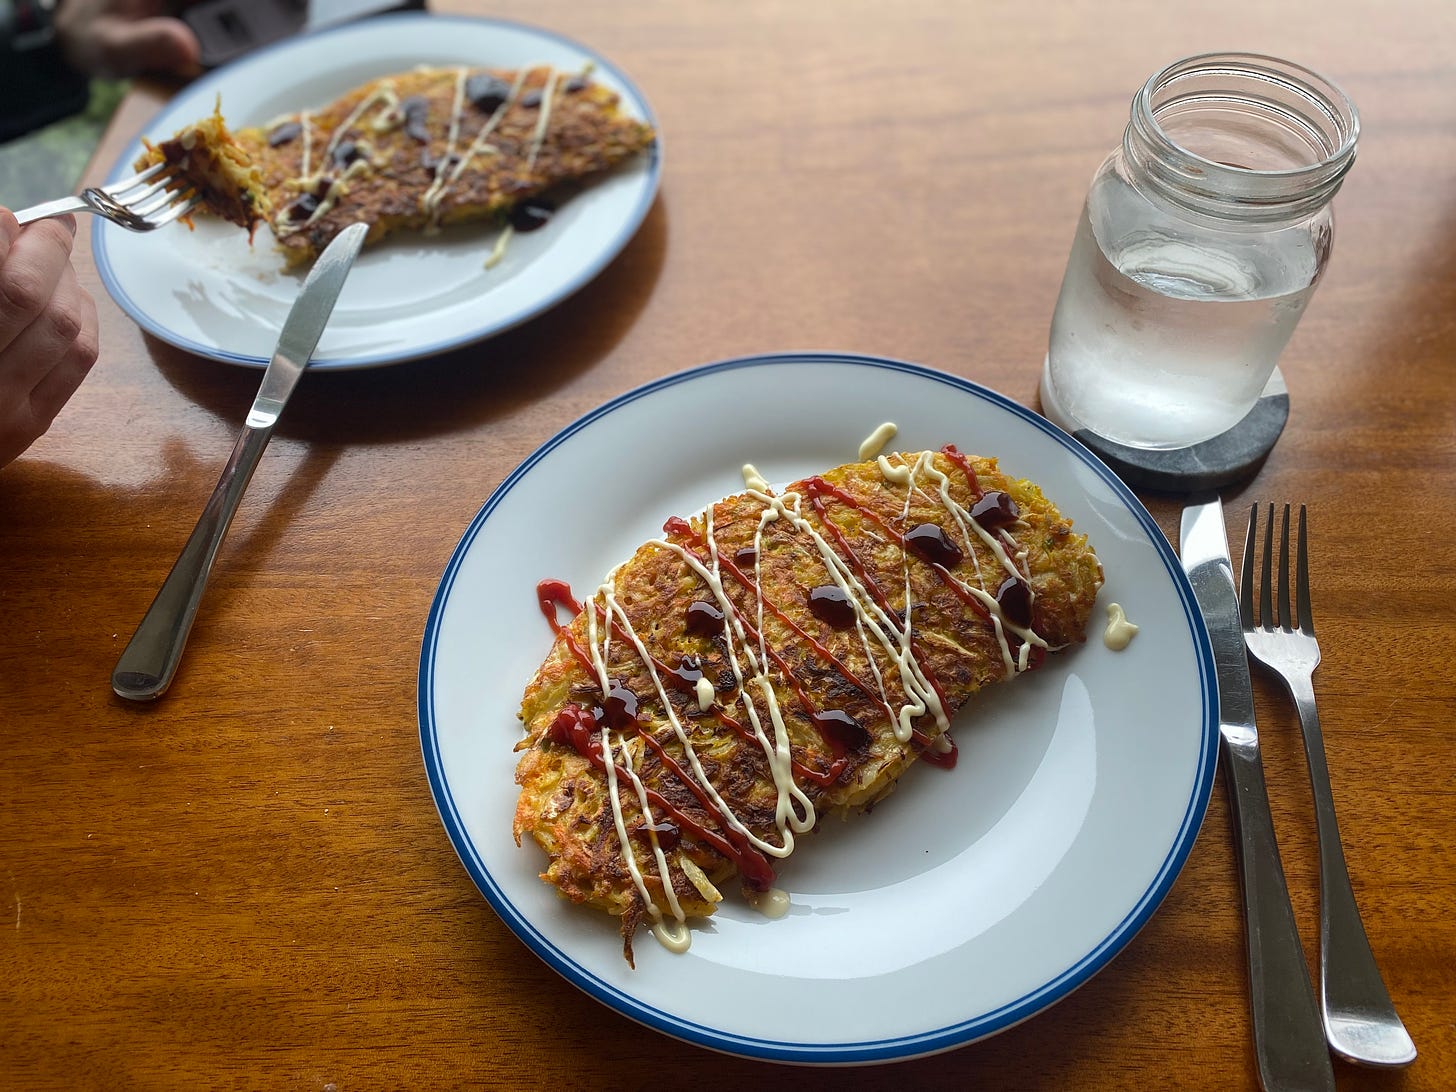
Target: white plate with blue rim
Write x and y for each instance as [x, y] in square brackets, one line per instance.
[970, 899]
[210, 292]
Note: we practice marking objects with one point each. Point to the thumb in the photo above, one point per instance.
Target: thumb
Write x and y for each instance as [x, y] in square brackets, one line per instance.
[129, 47]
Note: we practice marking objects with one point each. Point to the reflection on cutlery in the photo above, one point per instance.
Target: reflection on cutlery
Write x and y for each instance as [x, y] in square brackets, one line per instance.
[150, 660]
[1288, 1040]
[140, 203]
[1360, 1021]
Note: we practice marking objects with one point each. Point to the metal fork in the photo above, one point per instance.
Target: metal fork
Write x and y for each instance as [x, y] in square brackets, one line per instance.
[1360, 1022]
[142, 202]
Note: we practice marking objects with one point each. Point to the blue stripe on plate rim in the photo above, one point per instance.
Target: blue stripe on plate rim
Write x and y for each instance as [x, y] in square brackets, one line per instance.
[168, 119]
[848, 1053]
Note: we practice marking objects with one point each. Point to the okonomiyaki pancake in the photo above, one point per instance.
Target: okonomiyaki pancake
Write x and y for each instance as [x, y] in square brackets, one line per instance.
[436, 146]
[777, 658]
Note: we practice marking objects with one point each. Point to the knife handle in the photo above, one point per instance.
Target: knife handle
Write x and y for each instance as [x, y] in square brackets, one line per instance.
[150, 659]
[1289, 1040]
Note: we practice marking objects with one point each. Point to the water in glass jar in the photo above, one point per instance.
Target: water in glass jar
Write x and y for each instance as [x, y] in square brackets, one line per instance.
[1162, 342]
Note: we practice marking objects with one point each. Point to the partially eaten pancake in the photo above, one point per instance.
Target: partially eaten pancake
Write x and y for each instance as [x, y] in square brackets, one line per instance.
[206, 158]
[777, 658]
[414, 151]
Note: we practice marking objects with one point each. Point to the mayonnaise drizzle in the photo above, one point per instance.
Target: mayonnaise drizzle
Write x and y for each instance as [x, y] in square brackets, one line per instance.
[430, 199]
[543, 120]
[753, 479]
[773, 903]
[875, 441]
[1119, 632]
[306, 124]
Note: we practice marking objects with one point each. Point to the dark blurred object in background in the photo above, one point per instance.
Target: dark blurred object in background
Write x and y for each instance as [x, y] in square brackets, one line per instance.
[229, 29]
[38, 87]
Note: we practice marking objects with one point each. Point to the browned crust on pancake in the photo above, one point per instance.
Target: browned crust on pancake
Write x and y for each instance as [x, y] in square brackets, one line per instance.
[564, 805]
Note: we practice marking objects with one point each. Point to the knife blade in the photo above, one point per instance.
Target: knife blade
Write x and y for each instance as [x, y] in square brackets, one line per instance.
[149, 661]
[1289, 1039]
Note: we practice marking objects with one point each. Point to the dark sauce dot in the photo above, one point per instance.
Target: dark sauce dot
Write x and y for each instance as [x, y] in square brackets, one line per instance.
[745, 557]
[531, 99]
[995, 509]
[841, 730]
[668, 834]
[704, 618]
[345, 152]
[831, 605]
[430, 161]
[620, 707]
[416, 110]
[282, 134]
[686, 674]
[531, 214]
[301, 208]
[575, 84]
[486, 92]
[931, 542]
[1014, 598]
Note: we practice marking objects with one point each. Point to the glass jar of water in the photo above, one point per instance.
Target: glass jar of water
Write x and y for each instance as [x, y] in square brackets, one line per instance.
[1201, 241]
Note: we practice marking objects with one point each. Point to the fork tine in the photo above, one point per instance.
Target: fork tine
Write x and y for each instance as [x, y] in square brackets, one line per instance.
[146, 204]
[1266, 605]
[1246, 580]
[116, 189]
[1286, 616]
[1301, 579]
[181, 208]
[158, 186]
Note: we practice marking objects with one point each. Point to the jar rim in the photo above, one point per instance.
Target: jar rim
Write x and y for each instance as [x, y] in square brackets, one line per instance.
[1284, 96]
[1314, 87]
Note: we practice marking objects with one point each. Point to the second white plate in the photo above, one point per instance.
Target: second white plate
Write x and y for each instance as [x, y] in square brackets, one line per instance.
[971, 898]
[209, 292]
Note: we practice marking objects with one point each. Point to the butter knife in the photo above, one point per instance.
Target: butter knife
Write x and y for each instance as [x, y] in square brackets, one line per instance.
[150, 660]
[1289, 1040]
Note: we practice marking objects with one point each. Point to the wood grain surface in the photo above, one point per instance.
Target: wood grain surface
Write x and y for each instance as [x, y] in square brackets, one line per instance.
[246, 885]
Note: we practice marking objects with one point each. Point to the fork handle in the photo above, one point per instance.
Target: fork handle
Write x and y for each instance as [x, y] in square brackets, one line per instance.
[1288, 1041]
[59, 207]
[150, 659]
[1360, 1019]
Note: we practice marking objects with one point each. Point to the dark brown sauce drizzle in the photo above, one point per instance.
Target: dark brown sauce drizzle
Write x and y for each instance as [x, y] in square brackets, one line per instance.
[416, 111]
[930, 542]
[487, 93]
[532, 213]
[283, 132]
[703, 619]
[831, 605]
[345, 153]
[1014, 599]
[995, 509]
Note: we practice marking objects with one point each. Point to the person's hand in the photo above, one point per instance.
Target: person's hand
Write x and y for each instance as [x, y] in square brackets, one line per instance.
[48, 338]
[115, 38]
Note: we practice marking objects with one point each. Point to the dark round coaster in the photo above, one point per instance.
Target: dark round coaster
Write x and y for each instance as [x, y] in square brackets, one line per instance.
[1233, 456]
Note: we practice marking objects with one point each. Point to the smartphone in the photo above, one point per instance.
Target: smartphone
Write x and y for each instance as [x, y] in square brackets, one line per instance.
[228, 29]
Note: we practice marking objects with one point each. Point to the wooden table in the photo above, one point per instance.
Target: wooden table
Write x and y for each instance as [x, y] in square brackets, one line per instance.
[247, 884]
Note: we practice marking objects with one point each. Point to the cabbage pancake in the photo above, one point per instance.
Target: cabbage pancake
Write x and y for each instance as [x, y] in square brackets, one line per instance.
[436, 146]
[777, 658]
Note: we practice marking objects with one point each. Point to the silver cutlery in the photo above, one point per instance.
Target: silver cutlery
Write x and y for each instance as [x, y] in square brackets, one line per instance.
[1360, 1021]
[1289, 1043]
[150, 660]
[142, 202]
